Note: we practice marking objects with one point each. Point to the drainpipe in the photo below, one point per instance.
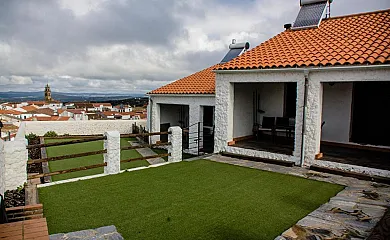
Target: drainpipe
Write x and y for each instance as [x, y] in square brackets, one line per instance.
[150, 113]
[306, 73]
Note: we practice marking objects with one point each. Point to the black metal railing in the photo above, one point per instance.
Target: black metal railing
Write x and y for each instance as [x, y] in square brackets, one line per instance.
[198, 139]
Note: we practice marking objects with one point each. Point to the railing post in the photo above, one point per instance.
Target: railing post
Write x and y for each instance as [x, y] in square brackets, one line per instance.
[175, 149]
[113, 155]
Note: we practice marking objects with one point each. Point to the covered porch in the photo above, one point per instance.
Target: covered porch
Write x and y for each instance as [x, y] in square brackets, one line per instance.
[354, 130]
[264, 117]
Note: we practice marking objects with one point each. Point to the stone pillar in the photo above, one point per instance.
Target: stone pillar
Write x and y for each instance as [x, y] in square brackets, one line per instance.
[175, 149]
[313, 121]
[2, 168]
[15, 157]
[299, 120]
[113, 155]
[224, 107]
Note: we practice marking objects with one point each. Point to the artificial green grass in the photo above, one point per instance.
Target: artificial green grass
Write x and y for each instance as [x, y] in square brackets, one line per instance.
[187, 200]
[88, 160]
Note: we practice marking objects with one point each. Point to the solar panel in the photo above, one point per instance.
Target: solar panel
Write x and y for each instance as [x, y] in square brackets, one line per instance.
[232, 54]
[310, 15]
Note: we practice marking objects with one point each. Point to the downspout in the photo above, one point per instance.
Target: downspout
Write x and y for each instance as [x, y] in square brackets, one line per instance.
[150, 112]
[306, 73]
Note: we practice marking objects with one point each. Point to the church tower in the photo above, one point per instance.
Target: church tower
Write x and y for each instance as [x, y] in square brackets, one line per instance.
[48, 93]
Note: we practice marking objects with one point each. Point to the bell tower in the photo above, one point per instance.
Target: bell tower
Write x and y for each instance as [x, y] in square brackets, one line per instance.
[48, 93]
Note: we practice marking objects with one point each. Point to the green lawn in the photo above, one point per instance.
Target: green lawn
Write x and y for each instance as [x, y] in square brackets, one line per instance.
[88, 160]
[187, 200]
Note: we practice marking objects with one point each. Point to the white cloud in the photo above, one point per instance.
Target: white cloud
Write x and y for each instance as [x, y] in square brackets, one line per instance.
[90, 45]
[15, 80]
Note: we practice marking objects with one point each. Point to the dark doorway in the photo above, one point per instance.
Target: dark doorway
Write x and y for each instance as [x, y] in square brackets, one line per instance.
[370, 124]
[164, 128]
[290, 100]
[208, 129]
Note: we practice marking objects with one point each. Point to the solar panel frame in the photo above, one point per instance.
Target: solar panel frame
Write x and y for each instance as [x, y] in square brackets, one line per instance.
[310, 16]
[233, 53]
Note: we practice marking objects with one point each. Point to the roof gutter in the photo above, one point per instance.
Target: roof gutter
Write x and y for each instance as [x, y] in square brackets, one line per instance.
[311, 69]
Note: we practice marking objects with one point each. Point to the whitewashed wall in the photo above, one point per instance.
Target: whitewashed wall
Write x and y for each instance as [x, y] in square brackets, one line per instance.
[336, 112]
[193, 101]
[271, 101]
[15, 161]
[82, 127]
[243, 110]
[170, 113]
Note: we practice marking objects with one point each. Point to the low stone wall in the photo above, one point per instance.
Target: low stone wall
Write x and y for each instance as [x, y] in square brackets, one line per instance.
[90, 127]
[352, 168]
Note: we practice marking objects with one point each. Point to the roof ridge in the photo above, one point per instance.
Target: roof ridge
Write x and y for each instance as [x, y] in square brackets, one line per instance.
[357, 14]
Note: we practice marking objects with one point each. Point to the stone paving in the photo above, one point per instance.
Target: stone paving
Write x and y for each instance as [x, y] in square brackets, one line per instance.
[106, 233]
[351, 214]
[146, 152]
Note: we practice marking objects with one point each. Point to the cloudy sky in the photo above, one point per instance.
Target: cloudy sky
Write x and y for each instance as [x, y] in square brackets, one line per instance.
[132, 46]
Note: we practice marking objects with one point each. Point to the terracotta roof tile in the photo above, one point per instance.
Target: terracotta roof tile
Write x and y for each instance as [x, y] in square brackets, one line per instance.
[202, 82]
[355, 39]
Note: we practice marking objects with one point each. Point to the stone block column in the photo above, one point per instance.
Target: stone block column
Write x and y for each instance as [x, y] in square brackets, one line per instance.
[224, 107]
[113, 155]
[15, 157]
[175, 149]
[313, 121]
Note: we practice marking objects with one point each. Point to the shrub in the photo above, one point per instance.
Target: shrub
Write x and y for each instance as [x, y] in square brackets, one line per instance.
[31, 136]
[50, 134]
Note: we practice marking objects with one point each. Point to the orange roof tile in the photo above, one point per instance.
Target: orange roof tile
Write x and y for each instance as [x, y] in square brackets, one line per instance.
[51, 118]
[30, 108]
[355, 39]
[202, 82]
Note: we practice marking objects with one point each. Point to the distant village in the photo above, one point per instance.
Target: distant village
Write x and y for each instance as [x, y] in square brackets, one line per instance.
[51, 110]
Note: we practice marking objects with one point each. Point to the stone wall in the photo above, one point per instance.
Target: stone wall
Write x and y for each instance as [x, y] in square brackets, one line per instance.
[90, 127]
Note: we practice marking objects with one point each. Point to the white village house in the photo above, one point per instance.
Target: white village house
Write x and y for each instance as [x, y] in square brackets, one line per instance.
[189, 103]
[320, 89]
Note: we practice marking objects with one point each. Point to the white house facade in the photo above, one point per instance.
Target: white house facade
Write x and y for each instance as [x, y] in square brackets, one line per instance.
[329, 98]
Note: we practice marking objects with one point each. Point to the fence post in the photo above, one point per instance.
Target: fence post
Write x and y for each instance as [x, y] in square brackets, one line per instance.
[175, 149]
[15, 156]
[113, 155]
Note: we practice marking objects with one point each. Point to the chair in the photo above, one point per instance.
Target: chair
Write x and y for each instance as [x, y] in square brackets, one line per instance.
[268, 124]
[285, 124]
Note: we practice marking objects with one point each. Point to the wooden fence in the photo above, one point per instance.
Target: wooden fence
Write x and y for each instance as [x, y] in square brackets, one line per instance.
[91, 139]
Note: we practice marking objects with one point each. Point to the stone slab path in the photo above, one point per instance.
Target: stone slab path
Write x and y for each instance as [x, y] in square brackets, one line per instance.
[351, 214]
[146, 152]
[107, 233]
